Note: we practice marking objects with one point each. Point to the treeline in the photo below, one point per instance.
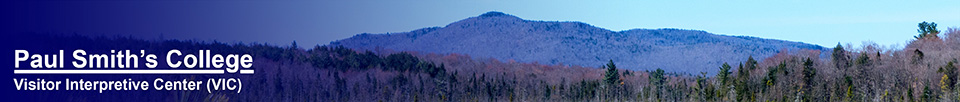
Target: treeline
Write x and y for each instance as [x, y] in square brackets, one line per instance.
[923, 71]
[342, 59]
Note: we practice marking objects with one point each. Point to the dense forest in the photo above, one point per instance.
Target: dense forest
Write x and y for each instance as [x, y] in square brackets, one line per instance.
[922, 70]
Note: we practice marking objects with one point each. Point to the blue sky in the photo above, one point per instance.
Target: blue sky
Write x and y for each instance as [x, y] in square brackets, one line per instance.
[318, 22]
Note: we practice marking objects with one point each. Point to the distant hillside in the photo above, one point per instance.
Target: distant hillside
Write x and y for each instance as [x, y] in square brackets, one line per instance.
[507, 37]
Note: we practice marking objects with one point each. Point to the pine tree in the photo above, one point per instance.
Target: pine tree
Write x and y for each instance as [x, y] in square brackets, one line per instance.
[840, 58]
[612, 76]
[808, 74]
[723, 78]
[927, 30]
[751, 63]
[657, 80]
[745, 91]
[612, 80]
[705, 89]
[743, 84]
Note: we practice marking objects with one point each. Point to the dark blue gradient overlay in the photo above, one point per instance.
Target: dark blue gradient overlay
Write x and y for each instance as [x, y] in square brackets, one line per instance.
[207, 20]
[44, 27]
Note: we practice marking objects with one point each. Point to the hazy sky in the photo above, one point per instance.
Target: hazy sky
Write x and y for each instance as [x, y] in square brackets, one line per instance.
[318, 22]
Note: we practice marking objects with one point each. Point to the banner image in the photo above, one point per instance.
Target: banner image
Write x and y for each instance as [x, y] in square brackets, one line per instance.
[480, 51]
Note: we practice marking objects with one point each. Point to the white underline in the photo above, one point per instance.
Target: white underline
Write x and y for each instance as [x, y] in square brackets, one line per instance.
[126, 71]
[246, 71]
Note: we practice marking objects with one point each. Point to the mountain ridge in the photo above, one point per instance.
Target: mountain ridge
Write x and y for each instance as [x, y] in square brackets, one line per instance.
[506, 37]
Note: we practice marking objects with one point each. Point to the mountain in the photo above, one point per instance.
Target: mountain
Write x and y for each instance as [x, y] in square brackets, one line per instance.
[507, 37]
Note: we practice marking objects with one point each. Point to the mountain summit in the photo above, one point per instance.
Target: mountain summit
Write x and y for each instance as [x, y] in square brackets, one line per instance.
[507, 37]
[493, 14]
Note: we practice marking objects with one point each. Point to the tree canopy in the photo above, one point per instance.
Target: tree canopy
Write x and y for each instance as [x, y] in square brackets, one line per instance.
[927, 30]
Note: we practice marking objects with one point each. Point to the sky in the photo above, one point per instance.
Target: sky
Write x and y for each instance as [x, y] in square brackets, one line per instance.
[825, 23]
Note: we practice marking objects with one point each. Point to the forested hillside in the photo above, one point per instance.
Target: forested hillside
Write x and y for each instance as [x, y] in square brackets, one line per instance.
[506, 37]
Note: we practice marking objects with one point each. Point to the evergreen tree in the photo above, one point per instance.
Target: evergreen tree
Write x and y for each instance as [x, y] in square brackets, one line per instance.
[863, 60]
[751, 63]
[850, 93]
[927, 30]
[657, 77]
[612, 76]
[840, 58]
[928, 95]
[808, 71]
[294, 45]
[723, 78]
[657, 80]
[950, 75]
[705, 90]
[611, 79]
[743, 84]
[745, 91]
[808, 74]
